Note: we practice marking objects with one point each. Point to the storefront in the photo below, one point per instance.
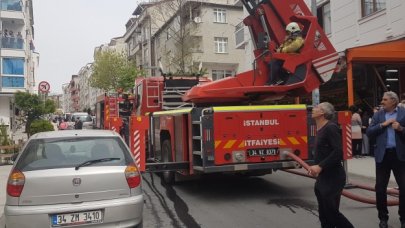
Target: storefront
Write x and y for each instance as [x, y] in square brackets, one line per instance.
[373, 69]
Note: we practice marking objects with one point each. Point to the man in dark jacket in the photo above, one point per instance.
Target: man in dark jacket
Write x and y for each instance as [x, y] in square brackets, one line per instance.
[78, 124]
[387, 127]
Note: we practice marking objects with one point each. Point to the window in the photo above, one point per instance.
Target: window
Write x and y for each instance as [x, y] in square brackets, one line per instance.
[218, 74]
[13, 66]
[324, 17]
[220, 15]
[53, 153]
[12, 82]
[370, 6]
[221, 45]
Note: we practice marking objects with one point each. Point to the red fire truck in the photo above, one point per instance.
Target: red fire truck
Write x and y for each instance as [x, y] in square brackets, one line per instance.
[188, 126]
[112, 109]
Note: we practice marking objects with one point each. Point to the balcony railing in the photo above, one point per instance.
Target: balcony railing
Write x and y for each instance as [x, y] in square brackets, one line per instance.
[12, 43]
[12, 5]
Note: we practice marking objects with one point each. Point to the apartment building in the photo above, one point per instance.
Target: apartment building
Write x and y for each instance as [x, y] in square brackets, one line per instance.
[66, 98]
[19, 62]
[85, 88]
[185, 36]
[73, 90]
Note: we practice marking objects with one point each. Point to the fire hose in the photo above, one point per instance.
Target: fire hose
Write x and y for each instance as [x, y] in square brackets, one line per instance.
[346, 193]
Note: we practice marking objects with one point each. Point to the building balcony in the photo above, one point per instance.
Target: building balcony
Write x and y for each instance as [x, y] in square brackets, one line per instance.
[12, 9]
[12, 43]
[11, 5]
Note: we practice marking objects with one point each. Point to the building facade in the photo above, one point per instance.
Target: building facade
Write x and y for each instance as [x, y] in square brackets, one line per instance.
[73, 90]
[370, 34]
[192, 34]
[66, 98]
[18, 60]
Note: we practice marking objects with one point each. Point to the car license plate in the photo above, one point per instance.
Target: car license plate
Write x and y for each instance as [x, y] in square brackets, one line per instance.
[76, 218]
[262, 152]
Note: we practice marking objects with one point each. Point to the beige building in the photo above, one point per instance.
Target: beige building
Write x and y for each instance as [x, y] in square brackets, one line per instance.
[209, 38]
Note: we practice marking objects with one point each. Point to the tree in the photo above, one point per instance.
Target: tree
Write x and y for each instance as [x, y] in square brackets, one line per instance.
[112, 70]
[33, 107]
[179, 32]
[40, 126]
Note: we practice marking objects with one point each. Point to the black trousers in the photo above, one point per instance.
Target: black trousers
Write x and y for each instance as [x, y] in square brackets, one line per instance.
[276, 72]
[357, 145]
[328, 190]
[383, 172]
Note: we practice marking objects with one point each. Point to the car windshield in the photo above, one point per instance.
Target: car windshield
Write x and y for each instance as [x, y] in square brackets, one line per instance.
[71, 152]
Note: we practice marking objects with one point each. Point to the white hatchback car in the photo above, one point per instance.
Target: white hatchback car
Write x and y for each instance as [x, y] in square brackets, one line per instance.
[86, 119]
[74, 178]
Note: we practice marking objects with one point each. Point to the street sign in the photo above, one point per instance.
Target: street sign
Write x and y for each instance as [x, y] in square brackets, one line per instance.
[44, 87]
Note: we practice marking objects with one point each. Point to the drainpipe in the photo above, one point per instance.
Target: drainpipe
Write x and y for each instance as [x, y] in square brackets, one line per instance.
[315, 92]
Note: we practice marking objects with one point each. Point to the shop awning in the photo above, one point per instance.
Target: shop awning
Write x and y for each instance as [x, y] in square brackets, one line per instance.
[385, 52]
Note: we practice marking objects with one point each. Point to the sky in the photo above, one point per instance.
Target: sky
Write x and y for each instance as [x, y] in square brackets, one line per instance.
[67, 31]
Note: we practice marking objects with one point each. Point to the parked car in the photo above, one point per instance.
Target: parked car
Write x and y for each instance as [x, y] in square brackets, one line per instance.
[74, 178]
[86, 119]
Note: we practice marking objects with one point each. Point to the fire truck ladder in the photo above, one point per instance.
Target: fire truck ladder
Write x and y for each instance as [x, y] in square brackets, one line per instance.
[197, 143]
[152, 89]
[171, 97]
[202, 143]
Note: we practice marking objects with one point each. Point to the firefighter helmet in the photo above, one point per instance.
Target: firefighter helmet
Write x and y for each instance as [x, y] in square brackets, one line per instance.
[293, 27]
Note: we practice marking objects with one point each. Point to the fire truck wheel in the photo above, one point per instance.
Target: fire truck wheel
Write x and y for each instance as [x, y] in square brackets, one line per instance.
[168, 176]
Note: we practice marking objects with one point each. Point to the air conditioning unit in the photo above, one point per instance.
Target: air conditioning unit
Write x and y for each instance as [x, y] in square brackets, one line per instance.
[197, 20]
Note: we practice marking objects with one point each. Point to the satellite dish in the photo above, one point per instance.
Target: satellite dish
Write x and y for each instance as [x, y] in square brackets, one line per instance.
[197, 20]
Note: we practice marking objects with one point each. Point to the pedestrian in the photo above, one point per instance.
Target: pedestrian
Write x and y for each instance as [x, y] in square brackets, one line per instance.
[357, 139]
[292, 44]
[372, 143]
[365, 123]
[5, 39]
[387, 128]
[328, 169]
[19, 40]
[78, 123]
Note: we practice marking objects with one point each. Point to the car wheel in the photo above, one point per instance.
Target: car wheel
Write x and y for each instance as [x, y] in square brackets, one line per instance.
[168, 176]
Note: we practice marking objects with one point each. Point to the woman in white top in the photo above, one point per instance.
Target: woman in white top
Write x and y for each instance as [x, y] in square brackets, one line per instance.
[357, 139]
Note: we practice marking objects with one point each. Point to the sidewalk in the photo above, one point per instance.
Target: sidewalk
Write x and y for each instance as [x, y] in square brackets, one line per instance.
[364, 167]
[4, 171]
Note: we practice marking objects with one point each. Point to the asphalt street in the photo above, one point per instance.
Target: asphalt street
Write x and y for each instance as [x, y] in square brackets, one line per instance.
[196, 204]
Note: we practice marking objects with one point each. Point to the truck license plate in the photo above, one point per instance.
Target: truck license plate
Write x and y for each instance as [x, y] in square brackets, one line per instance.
[262, 152]
[76, 218]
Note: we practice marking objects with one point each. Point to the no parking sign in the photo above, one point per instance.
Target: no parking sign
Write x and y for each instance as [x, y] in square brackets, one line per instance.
[44, 87]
